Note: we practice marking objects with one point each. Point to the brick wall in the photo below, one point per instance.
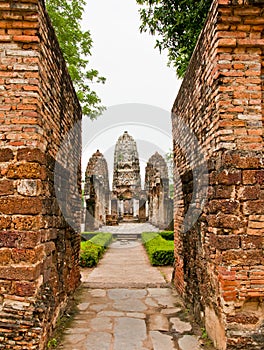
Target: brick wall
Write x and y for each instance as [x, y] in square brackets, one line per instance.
[38, 106]
[219, 266]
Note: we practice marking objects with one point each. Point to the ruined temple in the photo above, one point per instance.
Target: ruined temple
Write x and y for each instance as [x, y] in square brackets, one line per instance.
[219, 174]
[160, 206]
[126, 190]
[129, 202]
[96, 192]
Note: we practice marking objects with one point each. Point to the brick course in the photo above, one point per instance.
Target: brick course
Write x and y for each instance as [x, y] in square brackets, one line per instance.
[39, 251]
[219, 261]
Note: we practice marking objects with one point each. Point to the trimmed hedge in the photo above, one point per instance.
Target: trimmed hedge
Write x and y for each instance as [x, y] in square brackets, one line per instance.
[90, 254]
[92, 250]
[85, 236]
[168, 235]
[159, 250]
[102, 239]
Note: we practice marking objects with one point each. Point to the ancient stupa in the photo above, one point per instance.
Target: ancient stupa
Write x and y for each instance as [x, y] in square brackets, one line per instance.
[127, 202]
[126, 178]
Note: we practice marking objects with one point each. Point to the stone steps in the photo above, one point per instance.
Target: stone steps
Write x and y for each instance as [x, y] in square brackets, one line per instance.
[127, 236]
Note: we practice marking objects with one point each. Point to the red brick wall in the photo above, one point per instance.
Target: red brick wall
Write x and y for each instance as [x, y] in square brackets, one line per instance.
[38, 249]
[219, 260]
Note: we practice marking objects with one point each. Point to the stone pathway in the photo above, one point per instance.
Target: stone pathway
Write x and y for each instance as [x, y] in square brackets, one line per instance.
[125, 264]
[126, 304]
[130, 319]
[129, 228]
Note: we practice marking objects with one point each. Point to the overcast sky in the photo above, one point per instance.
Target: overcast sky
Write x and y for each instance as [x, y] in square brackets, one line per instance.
[136, 73]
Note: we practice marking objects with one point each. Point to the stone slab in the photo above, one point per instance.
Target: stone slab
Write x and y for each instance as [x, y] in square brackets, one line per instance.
[98, 293]
[162, 341]
[117, 294]
[158, 322]
[189, 342]
[180, 326]
[171, 310]
[130, 334]
[99, 341]
[83, 306]
[101, 324]
[134, 305]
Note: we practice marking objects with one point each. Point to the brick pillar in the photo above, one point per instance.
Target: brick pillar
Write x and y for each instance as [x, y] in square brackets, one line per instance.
[39, 251]
[219, 260]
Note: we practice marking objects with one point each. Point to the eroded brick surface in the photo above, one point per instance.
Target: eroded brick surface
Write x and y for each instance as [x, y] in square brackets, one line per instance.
[38, 249]
[219, 260]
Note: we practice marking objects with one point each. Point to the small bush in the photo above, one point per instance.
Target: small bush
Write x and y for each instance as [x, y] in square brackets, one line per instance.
[92, 250]
[168, 235]
[160, 251]
[90, 254]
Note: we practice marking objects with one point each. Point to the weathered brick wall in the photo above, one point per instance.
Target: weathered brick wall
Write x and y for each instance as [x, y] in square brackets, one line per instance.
[219, 261]
[38, 106]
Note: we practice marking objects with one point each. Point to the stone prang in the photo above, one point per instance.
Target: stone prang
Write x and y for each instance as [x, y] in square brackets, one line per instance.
[96, 192]
[126, 177]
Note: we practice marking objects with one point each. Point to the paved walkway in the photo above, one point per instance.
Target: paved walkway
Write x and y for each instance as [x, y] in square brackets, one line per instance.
[129, 228]
[125, 264]
[126, 304]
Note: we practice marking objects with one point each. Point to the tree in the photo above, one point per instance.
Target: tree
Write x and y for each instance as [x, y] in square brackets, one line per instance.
[177, 23]
[76, 44]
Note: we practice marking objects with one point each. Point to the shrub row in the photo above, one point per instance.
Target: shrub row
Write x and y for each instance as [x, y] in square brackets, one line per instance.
[85, 236]
[168, 235]
[93, 249]
[159, 250]
[102, 239]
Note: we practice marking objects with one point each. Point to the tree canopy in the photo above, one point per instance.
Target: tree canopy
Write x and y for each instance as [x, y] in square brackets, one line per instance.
[177, 24]
[76, 44]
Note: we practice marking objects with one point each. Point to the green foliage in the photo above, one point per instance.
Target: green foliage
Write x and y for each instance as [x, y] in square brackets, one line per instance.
[88, 235]
[168, 235]
[76, 44]
[204, 333]
[52, 343]
[102, 239]
[148, 236]
[177, 23]
[92, 250]
[160, 251]
[90, 254]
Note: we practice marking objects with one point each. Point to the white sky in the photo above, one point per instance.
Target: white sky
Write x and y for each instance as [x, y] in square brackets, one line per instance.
[136, 73]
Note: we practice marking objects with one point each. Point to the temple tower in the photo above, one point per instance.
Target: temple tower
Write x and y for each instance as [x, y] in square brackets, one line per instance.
[126, 179]
[160, 207]
[96, 192]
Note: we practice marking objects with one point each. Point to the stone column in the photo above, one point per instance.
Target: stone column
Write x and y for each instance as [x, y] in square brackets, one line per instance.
[114, 209]
[90, 215]
[136, 207]
[142, 210]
